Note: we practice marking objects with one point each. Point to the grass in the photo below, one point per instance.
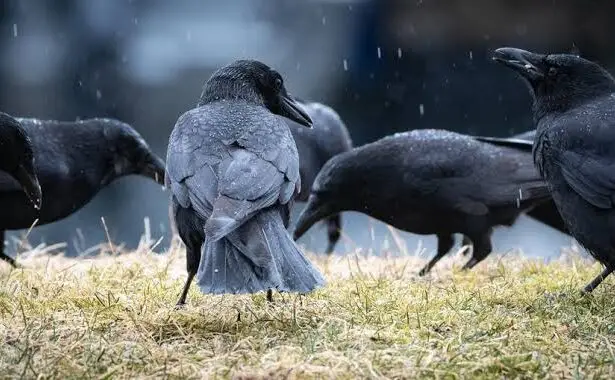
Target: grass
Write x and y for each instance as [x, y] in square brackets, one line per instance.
[113, 317]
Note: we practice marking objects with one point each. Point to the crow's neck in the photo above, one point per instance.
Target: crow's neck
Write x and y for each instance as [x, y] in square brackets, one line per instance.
[229, 88]
[563, 101]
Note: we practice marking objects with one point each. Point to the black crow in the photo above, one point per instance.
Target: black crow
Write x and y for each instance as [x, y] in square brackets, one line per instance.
[73, 161]
[328, 137]
[17, 160]
[574, 146]
[233, 171]
[429, 182]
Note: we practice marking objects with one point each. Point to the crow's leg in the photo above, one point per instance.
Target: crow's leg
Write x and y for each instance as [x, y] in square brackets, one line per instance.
[598, 280]
[445, 243]
[334, 228]
[482, 249]
[4, 256]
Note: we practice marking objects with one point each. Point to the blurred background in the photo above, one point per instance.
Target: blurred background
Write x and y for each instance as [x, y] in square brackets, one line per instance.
[385, 65]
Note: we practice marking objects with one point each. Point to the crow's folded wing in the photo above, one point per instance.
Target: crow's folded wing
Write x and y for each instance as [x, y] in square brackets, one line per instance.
[590, 177]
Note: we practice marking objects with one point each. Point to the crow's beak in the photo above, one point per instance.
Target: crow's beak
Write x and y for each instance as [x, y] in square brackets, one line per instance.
[154, 168]
[29, 183]
[311, 214]
[293, 111]
[524, 62]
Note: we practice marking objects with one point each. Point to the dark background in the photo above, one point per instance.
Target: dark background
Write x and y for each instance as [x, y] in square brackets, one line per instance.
[385, 65]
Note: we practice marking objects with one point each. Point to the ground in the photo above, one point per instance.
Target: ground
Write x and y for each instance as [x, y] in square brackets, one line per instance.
[113, 316]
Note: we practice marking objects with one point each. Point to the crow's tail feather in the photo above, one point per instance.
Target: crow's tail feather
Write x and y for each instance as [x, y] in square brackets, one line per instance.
[258, 256]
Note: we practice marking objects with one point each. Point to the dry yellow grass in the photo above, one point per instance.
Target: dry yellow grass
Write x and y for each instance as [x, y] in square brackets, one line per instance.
[114, 317]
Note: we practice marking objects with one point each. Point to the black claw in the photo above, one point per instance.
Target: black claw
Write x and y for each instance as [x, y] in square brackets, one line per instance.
[470, 264]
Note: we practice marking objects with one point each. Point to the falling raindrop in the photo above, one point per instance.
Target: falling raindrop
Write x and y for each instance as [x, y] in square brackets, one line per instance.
[345, 65]
[471, 55]
[421, 109]
[399, 53]
[324, 20]
[98, 95]
[14, 30]
[379, 53]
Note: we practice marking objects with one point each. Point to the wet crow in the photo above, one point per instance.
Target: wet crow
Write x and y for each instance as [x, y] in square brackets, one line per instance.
[73, 161]
[233, 171]
[429, 182]
[574, 147]
[328, 137]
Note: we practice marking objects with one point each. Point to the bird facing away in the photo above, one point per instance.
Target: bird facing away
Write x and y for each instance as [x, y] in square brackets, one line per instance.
[574, 147]
[429, 182]
[73, 161]
[233, 171]
[328, 137]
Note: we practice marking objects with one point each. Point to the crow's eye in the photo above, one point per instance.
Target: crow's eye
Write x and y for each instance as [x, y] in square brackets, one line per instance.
[552, 71]
[278, 83]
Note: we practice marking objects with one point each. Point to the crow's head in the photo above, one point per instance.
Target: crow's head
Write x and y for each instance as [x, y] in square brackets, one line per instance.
[17, 158]
[333, 189]
[254, 81]
[130, 153]
[558, 81]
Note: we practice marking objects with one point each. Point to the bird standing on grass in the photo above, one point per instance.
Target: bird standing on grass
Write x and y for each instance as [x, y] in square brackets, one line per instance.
[233, 171]
[574, 146]
[328, 137]
[73, 161]
[429, 182]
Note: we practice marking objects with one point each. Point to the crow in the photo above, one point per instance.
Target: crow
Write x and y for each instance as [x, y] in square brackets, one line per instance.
[328, 137]
[17, 159]
[233, 171]
[574, 146]
[73, 162]
[429, 182]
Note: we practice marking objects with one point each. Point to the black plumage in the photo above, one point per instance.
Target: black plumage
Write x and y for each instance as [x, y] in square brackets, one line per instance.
[429, 182]
[233, 171]
[574, 147]
[327, 137]
[73, 162]
[545, 212]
